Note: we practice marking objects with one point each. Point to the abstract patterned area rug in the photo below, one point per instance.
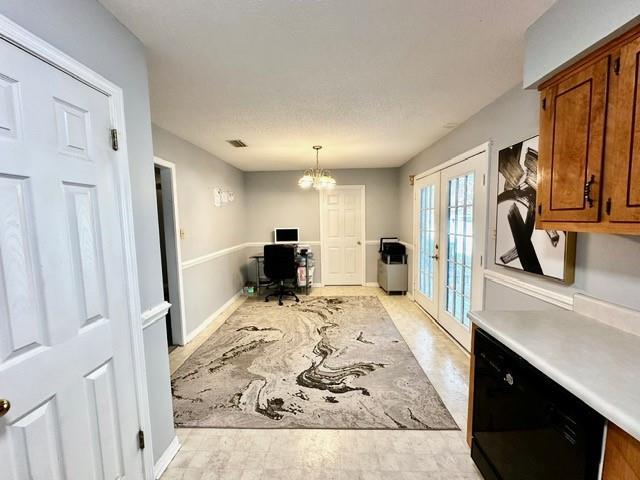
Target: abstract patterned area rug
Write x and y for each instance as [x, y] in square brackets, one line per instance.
[327, 362]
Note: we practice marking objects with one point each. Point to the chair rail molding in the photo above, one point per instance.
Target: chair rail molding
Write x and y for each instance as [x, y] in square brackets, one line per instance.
[235, 248]
[558, 299]
[151, 316]
[213, 255]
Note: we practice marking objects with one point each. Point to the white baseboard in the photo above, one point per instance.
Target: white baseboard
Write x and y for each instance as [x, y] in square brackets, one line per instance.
[317, 284]
[410, 296]
[165, 459]
[212, 317]
[371, 284]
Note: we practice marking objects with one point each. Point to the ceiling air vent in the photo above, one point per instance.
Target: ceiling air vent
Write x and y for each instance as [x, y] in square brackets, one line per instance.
[237, 143]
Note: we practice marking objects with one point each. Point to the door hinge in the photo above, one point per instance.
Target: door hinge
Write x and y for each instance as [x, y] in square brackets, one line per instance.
[141, 440]
[540, 209]
[616, 66]
[481, 261]
[114, 139]
[544, 103]
[484, 179]
[608, 206]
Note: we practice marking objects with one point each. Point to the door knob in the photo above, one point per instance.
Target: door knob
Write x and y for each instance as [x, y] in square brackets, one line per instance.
[359, 242]
[5, 406]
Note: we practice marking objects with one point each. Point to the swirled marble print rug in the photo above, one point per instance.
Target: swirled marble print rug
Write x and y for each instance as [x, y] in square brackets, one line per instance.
[327, 362]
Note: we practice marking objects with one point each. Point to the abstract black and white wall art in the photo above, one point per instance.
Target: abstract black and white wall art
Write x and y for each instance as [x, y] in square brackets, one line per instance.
[518, 244]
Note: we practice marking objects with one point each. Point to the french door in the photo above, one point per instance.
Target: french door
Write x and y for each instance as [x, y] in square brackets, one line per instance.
[427, 242]
[450, 220]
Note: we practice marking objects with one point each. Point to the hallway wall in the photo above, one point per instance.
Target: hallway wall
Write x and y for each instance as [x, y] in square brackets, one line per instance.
[209, 280]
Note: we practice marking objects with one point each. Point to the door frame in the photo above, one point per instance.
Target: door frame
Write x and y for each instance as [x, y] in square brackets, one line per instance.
[484, 148]
[174, 255]
[363, 231]
[30, 43]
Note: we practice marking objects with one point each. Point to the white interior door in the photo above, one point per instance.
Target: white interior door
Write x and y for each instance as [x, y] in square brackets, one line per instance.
[426, 242]
[66, 361]
[342, 218]
[463, 222]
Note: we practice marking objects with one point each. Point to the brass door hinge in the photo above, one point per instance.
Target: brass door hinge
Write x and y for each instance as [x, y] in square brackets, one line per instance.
[616, 66]
[544, 103]
[114, 139]
[141, 440]
[540, 209]
[608, 206]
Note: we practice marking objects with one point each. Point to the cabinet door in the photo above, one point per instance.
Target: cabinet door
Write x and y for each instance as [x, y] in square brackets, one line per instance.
[625, 194]
[572, 127]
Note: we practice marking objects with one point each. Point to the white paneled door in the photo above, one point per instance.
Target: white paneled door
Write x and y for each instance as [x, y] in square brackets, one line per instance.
[450, 209]
[342, 227]
[65, 347]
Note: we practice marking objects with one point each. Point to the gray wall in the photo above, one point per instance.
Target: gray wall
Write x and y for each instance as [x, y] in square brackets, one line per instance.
[87, 32]
[207, 228]
[571, 29]
[607, 266]
[274, 199]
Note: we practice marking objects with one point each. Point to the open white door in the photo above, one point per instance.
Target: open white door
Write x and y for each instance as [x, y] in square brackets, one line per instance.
[463, 220]
[426, 242]
[66, 353]
[342, 231]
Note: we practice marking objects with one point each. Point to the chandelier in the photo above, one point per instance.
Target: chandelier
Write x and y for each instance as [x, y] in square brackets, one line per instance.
[317, 178]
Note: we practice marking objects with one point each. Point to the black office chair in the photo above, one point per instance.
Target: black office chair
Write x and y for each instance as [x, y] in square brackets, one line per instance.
[280, 265]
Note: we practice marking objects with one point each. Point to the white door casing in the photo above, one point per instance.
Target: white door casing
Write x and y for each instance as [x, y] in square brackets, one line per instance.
[70, 338]
[342, 232]
[174, 253]
[426, 242]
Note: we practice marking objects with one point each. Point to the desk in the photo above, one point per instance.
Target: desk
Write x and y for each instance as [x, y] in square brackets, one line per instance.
[307, 282]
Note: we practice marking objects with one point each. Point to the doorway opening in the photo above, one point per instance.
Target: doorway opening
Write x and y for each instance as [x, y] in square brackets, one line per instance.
[450, 217]
[167, 203]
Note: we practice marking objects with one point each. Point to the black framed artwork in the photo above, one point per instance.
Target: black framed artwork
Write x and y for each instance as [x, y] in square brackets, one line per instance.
[519, 245]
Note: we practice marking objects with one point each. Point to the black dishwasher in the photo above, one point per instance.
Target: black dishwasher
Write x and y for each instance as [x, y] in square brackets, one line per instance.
[526, 426]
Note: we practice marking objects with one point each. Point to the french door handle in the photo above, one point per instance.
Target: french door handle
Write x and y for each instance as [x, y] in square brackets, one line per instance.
[435, 257]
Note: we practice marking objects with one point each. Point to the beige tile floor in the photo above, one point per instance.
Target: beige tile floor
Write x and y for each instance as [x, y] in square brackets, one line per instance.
[211, 454]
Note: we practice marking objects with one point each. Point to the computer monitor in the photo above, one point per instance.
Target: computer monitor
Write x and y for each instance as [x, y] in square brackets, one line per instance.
[285, 235]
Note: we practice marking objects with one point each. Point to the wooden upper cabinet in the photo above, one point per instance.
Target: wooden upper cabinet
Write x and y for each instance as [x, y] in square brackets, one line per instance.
[625, 154]
[572, 133]
[589, 159]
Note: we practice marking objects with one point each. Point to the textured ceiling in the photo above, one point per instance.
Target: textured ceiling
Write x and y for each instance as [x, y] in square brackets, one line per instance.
[374, 81]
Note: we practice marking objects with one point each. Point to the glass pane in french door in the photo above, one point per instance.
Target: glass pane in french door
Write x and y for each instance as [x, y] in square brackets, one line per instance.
[460, 247]
[427, 236]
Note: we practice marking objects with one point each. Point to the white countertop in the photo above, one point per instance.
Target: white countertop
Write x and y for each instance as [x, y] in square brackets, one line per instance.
[598, 363]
